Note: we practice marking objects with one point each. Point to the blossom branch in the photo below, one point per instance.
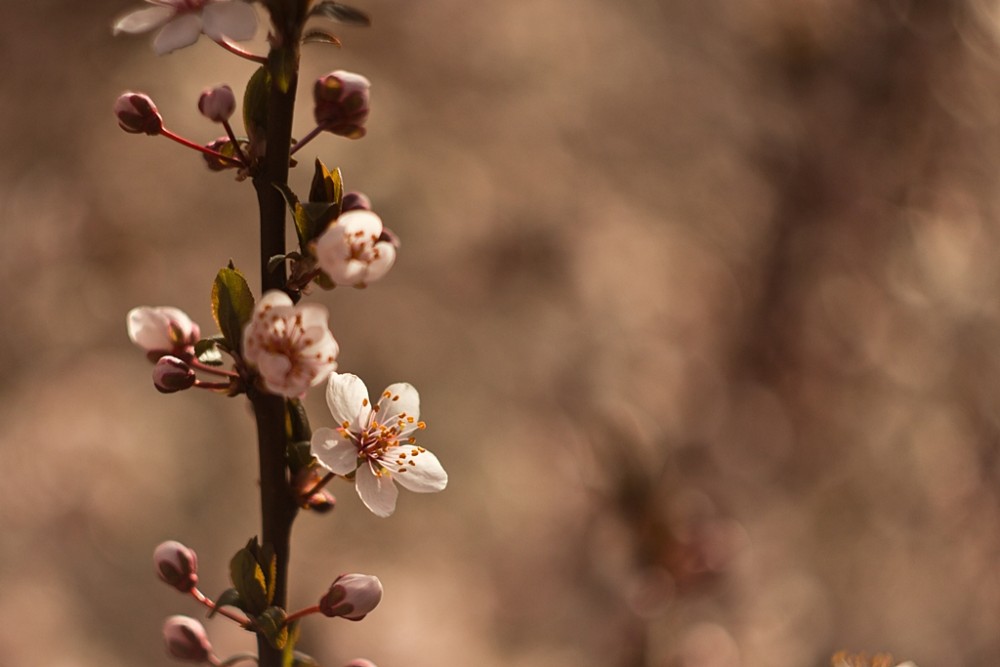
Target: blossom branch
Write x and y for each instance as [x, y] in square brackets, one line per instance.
[198, 147]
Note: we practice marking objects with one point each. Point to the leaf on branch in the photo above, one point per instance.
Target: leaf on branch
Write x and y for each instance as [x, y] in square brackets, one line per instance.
[282, 64]
[232, 305]
[248, 579]
[288, 652]
[255, 105]
[209, 350]
[320, 37]
[271, 623]
[327, 186]
[341, 13]
[229, 598]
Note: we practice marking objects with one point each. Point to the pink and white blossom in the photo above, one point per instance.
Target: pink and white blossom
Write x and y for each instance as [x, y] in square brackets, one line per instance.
[377, 442]
[290, 345]
[352, 596]
[181, 22]
[162, 330]
[354, 250]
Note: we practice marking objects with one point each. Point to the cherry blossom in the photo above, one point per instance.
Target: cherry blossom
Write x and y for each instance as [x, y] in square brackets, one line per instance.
[290, 345]
[354, 249]
[377, 443]
[162, 330]
[181, 22]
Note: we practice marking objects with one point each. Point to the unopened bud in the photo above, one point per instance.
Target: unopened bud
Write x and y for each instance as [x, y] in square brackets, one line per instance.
[170, 374]
[186, 639]
[352, 596]
[137, 114]
[355, 200]
[162, 330]
[177, 565]
[342, 103]
[360, 662]
[217, 104]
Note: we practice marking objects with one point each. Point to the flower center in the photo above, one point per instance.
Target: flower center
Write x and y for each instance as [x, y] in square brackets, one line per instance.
[394, 432]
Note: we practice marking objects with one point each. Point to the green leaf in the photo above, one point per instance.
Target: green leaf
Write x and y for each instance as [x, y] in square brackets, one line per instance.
[283, 64]
[271, 623]
[248, 579]
[229, 598]
[289, 652]
[341, 13]
[208, 352]
[299, 455]
[232, 305]
[320, 37]
[327, 186]
[255, 105]
[300, 659]
[269, 562]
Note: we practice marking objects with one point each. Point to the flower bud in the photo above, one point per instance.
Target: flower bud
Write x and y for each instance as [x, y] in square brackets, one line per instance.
[162, 330]
[137, 114]
[360, 662]
[352, 596]
[342, 103]
[355, 200]
[217, 104]
[170, 374]
[177, 565]
[307, 479]
[186, 639]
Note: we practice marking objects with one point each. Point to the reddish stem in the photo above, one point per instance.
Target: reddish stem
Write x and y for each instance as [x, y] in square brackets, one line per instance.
[236, 143]
[235, 50]
[198, 147]
[302, 612]
[203, 599]
[306, 139]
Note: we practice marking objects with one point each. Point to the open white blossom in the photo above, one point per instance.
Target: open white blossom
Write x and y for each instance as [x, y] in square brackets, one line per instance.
[181, 22]
[162, 330]
[290, 345]
[377, 442]
[353, 251]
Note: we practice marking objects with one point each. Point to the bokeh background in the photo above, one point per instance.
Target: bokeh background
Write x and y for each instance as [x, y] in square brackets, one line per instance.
[702, 299]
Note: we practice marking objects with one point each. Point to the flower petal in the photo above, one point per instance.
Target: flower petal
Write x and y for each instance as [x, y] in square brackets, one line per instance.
[149, 329]
[424, 473]
[403, 399]
[377, 492]
[143, 20]
[235, 20]
[336, 453]
[347, 398]
[182, 31]
[382, 262]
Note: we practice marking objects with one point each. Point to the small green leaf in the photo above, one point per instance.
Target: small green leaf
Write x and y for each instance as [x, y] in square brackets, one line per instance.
[324, 281]
[269, 562]
[271, 623]
[275, 262]
[208, 352]
[288, 652]
[320, 37]
[232, 305]
[229, 598]
[255, 104]
[283, 64]
[341, 13]
[299, 455]
[300, 659]
[248, 579]
[327, 186]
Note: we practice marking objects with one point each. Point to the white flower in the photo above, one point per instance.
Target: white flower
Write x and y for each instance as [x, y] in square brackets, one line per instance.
[290, 345]
[162, 330]
[181, 22]
[352, 250]
[377, 442]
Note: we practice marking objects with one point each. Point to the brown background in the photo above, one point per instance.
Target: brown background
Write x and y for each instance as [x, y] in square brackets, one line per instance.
[701, 298]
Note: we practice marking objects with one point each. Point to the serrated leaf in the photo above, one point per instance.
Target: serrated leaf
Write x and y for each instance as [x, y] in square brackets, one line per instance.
[271, 623]
[229, 598]
[341, 13]
[232, 305]
[320, 37]
[255, 105]
[248, 578]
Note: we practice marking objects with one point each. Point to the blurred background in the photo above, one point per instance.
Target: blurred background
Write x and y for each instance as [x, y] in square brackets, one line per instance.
[702, 299]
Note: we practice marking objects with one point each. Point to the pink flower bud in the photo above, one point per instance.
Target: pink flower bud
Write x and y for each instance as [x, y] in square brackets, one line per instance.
[162, 330]
[355, 200]
[352, 596]
[170, 374]
[137, 114]
[342, 103]
[186, 639]
[217, 104]
[177, 565]
[360, 662]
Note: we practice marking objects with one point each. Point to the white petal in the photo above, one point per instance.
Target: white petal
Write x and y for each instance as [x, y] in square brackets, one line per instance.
[408, 402]
[236, 20]
[377, 492]
[149, 329]
[274, 298]
[424, 473]
[361, 224]
[336, 453]
[381, 264]
[180, 32]
[143, 20]
[347, 398]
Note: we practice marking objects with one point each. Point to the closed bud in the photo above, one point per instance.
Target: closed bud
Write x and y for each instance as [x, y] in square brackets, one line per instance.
[177, 565]
[355, 200]
[342, 103]
[186, 639]
[352, 596]
[170, 374]
[217, 104]
[137, 114]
